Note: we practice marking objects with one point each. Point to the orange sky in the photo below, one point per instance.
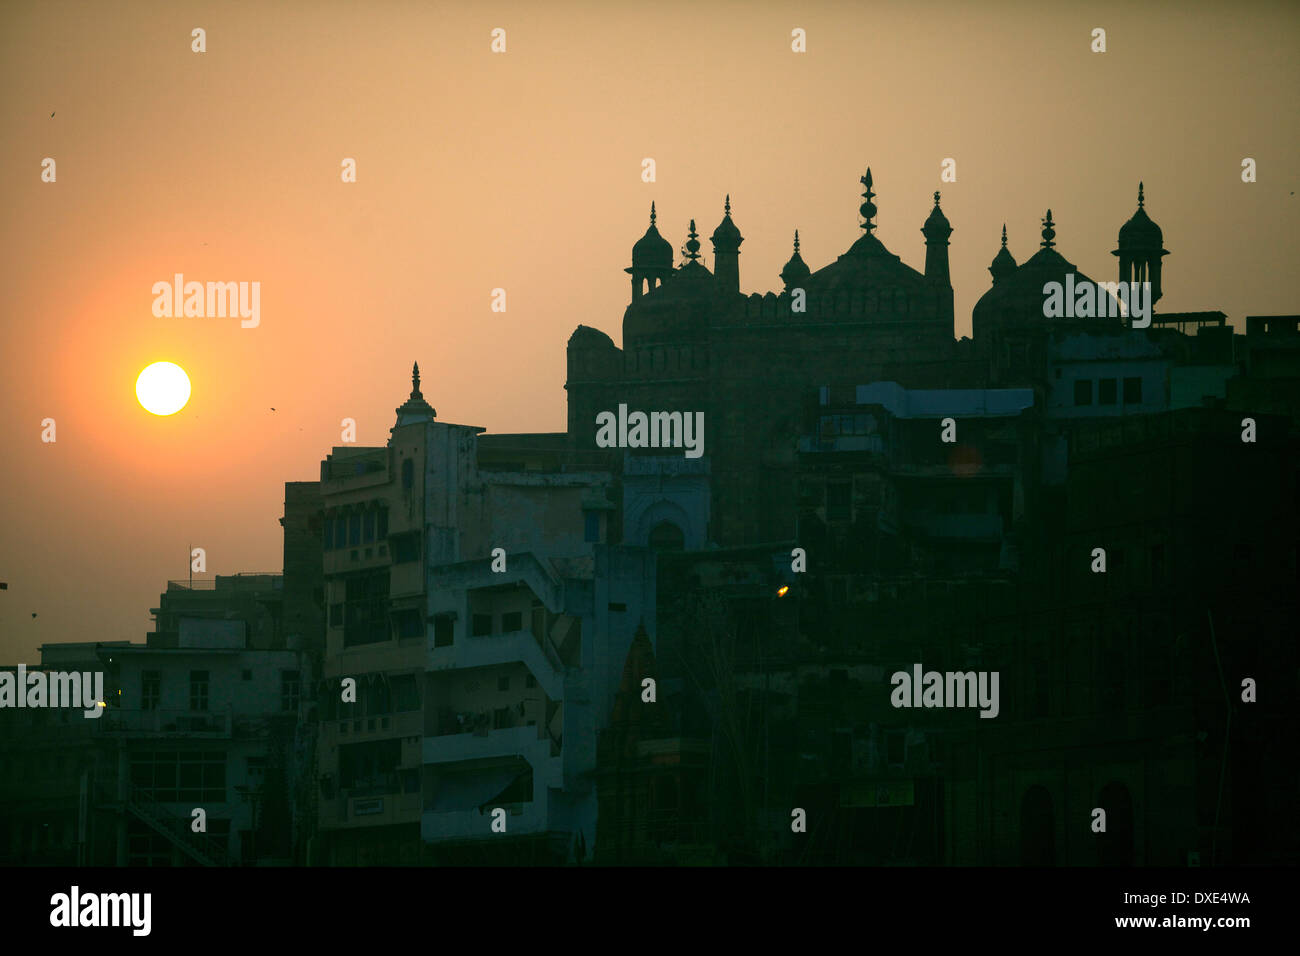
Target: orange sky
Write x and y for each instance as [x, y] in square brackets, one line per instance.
[522, 171]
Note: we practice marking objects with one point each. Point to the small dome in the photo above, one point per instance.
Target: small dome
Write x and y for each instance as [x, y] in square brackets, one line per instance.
[1004, 263]
[937, 225]
[796, 270]
[652, 251]
[726, 237]
[1140, 232]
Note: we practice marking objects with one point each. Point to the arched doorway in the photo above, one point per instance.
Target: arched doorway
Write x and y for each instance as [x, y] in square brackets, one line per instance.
[666, 536]
[1037, 828]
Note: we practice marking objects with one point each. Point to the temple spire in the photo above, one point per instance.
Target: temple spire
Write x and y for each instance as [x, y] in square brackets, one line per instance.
[1004, 235]
[1049, 233]
[415, 409]
[652, 212]
[1141, 198]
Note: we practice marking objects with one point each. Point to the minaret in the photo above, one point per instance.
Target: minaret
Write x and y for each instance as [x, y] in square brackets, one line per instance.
[937, 231]
[1140, 249]
[726, 252]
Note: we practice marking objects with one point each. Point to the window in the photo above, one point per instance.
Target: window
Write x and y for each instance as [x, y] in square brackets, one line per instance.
[511, 622]
[406, 547]
[328, 534]
[1083, 391]
[1132, 391]
[373, 765]
[443, 626]
[180, 776]
[365, 609]
[368, 527]
[894, 748]
[838, 495]
[336, 615]
[382, 530]
[406, 693]
[502, 719]
[591, 526]
[245, 674]
[503, 683]
[340, 532]
[379, 699]
[354, 529]
[198, 690]
[150, 690]
[290, 690]
[481, 625]
[256, 770]
[1106, 391]
[408, 474]
[530, 681]
[408, 622]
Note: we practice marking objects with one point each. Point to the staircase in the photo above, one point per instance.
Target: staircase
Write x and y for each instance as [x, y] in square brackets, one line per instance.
[198, 846]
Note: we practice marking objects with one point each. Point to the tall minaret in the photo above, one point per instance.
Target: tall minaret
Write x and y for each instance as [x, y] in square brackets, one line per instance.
[1140, 249]
[726, 252]
[937, 231]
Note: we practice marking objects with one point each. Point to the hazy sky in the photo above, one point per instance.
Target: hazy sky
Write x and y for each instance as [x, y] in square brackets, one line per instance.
[522, 170]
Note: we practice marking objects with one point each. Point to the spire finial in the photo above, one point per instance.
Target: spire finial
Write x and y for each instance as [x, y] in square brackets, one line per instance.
[1048, 232]
[415, 379]
[936, 199]
[726, 207]
[1141, 198]
[693, 244]
[652, 212]
[868, 208]
[1004, 235]
[796, 241]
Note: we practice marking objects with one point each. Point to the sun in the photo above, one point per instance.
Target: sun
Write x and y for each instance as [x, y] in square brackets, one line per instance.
[163, 388]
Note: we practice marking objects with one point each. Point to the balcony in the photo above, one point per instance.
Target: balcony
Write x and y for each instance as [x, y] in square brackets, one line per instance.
[509, 742]
[167, 723]
[514, 647]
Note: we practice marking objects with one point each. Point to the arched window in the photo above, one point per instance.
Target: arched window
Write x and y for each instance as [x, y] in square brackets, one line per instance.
[666, 536]
[408, 474]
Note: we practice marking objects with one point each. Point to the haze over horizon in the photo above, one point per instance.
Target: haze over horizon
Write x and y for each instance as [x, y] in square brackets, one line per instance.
[522, 171]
